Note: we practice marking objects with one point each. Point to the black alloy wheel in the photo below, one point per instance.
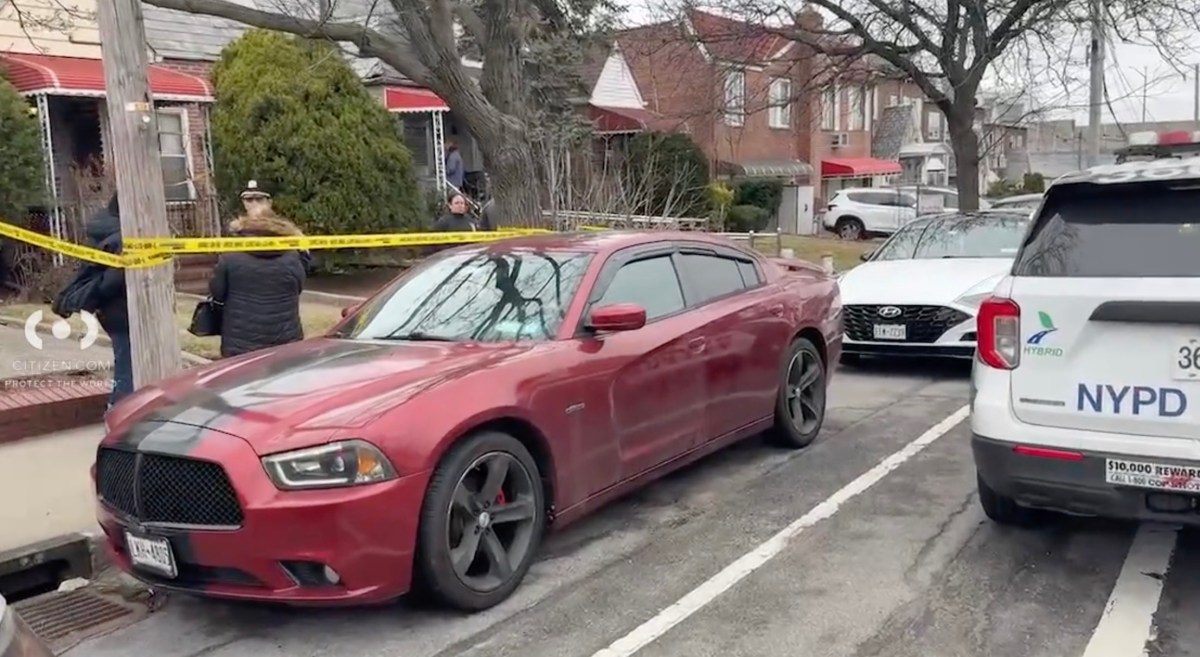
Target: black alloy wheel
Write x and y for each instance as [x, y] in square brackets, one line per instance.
[481, 522]
[800, 409]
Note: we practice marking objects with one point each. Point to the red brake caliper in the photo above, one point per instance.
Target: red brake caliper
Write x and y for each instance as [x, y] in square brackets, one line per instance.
[500, 499]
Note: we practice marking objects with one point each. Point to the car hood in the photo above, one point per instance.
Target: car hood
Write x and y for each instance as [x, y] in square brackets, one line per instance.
[921, 282]
[304, 393]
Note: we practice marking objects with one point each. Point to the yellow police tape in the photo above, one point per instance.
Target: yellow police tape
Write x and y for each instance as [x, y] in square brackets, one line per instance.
[148, 252]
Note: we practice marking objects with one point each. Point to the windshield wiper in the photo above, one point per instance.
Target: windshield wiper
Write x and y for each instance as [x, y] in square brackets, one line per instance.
[419, 336]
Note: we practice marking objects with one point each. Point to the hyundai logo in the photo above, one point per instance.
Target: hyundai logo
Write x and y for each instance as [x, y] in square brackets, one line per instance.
[889, 312]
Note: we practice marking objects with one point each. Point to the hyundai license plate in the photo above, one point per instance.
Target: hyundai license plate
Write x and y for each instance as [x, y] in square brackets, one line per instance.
[891, 332]
[151, 554]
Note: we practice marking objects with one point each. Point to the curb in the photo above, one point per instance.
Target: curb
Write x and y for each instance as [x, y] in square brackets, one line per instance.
[56, 559]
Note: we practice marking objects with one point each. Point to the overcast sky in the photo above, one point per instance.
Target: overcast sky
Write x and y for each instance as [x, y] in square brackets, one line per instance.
[1169, 97]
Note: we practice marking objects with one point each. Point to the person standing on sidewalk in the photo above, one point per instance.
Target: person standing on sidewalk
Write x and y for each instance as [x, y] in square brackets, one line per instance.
[107, 299]
[259, 290]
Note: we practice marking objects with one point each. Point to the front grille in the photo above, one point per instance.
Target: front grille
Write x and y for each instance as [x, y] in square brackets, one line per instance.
[167, 489]
[924, 323]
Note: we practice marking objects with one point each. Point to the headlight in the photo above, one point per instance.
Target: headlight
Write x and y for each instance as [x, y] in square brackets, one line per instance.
[344, 463]
[973, 300]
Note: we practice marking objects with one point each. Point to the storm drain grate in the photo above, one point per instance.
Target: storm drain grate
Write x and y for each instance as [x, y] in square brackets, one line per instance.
[70, 615]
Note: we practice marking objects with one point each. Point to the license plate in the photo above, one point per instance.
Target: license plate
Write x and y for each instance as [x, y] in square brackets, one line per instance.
[891, 331]
[151, 554]
[1159, 476]
[1185, 360]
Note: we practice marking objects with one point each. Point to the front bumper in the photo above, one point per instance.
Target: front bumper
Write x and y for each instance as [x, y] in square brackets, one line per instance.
[1078, 487]
[366, 534]
[963, 351]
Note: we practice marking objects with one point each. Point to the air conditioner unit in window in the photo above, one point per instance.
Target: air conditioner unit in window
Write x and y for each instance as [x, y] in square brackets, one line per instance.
[839, 139]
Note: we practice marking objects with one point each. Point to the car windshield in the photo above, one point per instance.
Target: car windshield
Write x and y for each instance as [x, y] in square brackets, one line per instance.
[956, 236]
[476, 296]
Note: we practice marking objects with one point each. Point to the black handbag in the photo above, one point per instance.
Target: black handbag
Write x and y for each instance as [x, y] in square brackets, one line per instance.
[206, 319]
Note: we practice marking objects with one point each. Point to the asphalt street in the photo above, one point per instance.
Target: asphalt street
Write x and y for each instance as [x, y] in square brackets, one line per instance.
[870, 542]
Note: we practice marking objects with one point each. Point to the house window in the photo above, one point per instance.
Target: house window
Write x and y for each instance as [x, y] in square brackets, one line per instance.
[175, 153]
[415, 132]
[829, 109]
[932, 127]
[858, 109]
[735, 97]
[781, 103]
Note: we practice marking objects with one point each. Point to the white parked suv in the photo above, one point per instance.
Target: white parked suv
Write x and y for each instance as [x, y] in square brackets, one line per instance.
[1085, 393]
[861, 212]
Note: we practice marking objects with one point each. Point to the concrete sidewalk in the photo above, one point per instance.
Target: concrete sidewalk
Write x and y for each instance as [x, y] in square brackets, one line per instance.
[46, 487]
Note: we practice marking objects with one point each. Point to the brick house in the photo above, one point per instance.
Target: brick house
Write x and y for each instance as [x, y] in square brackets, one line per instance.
[756, 105]
[63, 77]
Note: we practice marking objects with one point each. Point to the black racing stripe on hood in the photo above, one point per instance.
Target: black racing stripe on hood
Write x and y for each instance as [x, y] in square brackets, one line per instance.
[218, 403]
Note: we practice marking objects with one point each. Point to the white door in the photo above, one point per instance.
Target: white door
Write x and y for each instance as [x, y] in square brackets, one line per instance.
[806, 223]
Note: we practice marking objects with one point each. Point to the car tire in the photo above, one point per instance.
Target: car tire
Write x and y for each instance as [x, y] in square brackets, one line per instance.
[443, 517]
[850, 228]
[801, 396]
[1004, 510]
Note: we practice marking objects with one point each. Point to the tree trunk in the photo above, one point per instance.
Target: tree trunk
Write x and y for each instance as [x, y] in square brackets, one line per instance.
[509, 159]
[965, 143]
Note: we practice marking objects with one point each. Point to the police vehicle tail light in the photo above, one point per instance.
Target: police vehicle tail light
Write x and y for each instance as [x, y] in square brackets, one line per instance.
[998, 326]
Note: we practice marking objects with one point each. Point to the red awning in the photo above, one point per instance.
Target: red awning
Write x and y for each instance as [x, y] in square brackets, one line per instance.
[77, 76]
[611, 120]
[855, 167]
[412, 99]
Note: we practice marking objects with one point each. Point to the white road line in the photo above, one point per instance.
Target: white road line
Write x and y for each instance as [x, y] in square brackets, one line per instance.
[735, 572]
[1125, 625]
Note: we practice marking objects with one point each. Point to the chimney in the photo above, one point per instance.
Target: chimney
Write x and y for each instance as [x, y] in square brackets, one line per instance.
[810, 20]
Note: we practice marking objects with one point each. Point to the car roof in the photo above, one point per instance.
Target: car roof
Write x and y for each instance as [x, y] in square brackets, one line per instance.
[1133, 172]
[598, 241]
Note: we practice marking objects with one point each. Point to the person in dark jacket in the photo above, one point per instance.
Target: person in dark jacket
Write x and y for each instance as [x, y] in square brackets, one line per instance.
[259, 290]
[107, 298]
[458, 218]
[455, 172]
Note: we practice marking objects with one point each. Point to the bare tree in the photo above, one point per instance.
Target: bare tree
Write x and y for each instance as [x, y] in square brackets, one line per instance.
[947, 48]
[421, 40]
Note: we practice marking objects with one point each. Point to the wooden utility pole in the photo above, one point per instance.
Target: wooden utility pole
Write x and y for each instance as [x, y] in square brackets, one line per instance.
[136, 160]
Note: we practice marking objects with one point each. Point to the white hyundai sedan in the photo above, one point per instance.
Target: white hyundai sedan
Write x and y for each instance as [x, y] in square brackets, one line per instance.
[917, 294]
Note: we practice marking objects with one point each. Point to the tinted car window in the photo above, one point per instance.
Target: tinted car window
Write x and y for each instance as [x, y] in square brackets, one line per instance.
[749, 274]
[711, 276]
[957, 236]
[1136, 230]
[871, 198]
[650, 283]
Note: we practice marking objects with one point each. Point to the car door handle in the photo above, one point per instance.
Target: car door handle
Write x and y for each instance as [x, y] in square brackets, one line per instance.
[696, 345]
[777, 310]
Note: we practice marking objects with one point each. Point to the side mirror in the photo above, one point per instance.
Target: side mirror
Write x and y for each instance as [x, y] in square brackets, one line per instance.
[617, 317]
[866, 255]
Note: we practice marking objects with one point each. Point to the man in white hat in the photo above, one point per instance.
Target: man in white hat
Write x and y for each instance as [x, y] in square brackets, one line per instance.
[255, 199]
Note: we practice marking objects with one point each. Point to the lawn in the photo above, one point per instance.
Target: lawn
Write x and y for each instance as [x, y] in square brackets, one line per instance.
[845, 253]
[316, 317]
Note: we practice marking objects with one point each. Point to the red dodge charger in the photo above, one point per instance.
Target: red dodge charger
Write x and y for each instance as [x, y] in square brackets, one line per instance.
[490, 393]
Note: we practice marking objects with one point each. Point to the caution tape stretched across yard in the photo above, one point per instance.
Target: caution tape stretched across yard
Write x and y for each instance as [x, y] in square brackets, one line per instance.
[148, 252]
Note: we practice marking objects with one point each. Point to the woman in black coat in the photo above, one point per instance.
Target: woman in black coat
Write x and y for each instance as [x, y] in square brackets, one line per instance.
[259, 290]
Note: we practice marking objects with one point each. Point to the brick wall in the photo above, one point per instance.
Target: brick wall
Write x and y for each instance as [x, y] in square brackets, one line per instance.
[40, 411]
[687, 90]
